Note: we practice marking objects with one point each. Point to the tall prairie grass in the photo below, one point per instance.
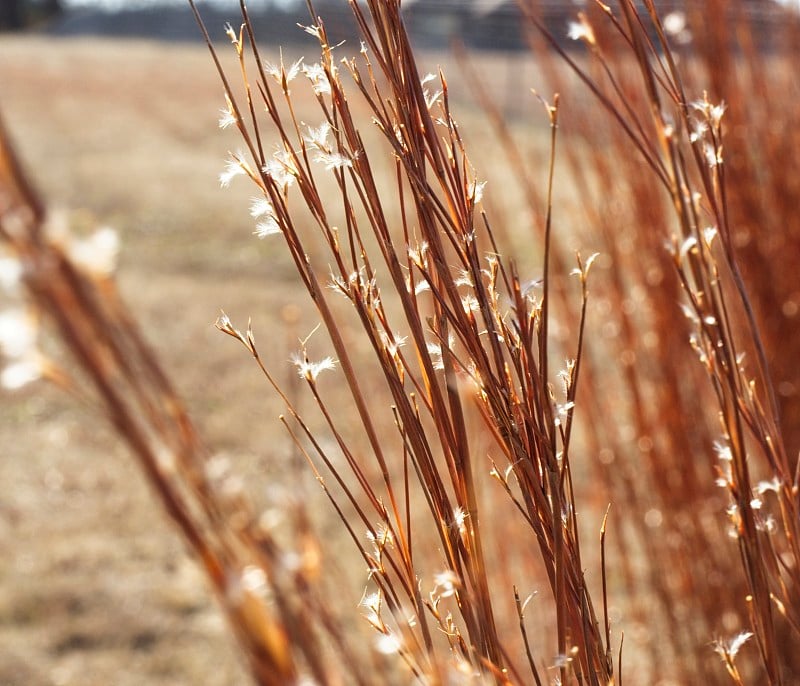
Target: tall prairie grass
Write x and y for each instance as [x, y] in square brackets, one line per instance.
[586, 474]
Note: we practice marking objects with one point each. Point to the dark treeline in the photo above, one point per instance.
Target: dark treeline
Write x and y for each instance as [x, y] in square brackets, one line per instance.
[19, 14]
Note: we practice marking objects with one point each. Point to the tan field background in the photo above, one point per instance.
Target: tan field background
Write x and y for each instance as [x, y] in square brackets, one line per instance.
[95, 587]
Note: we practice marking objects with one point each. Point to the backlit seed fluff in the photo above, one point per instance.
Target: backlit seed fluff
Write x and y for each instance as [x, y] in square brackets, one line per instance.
[311, 370]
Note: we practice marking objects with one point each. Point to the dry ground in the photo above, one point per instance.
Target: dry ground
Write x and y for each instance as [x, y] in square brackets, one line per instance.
[95, 587]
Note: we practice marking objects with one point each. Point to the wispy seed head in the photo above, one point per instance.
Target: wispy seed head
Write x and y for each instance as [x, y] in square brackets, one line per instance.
[18, 333]
[315, 73]
[446, 583]
[729, 649]
[388, 643]
[311, 370]
[281, 168]
[21, 373]
[233, 168]
[581, 30]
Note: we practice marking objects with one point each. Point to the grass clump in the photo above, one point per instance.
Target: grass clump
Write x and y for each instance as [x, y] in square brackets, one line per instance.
[483, 419]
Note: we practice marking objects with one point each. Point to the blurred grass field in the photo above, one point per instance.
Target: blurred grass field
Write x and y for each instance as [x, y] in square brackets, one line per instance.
[95, 586]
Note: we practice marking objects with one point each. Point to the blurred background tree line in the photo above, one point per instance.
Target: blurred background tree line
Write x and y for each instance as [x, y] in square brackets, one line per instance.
[18, 14]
